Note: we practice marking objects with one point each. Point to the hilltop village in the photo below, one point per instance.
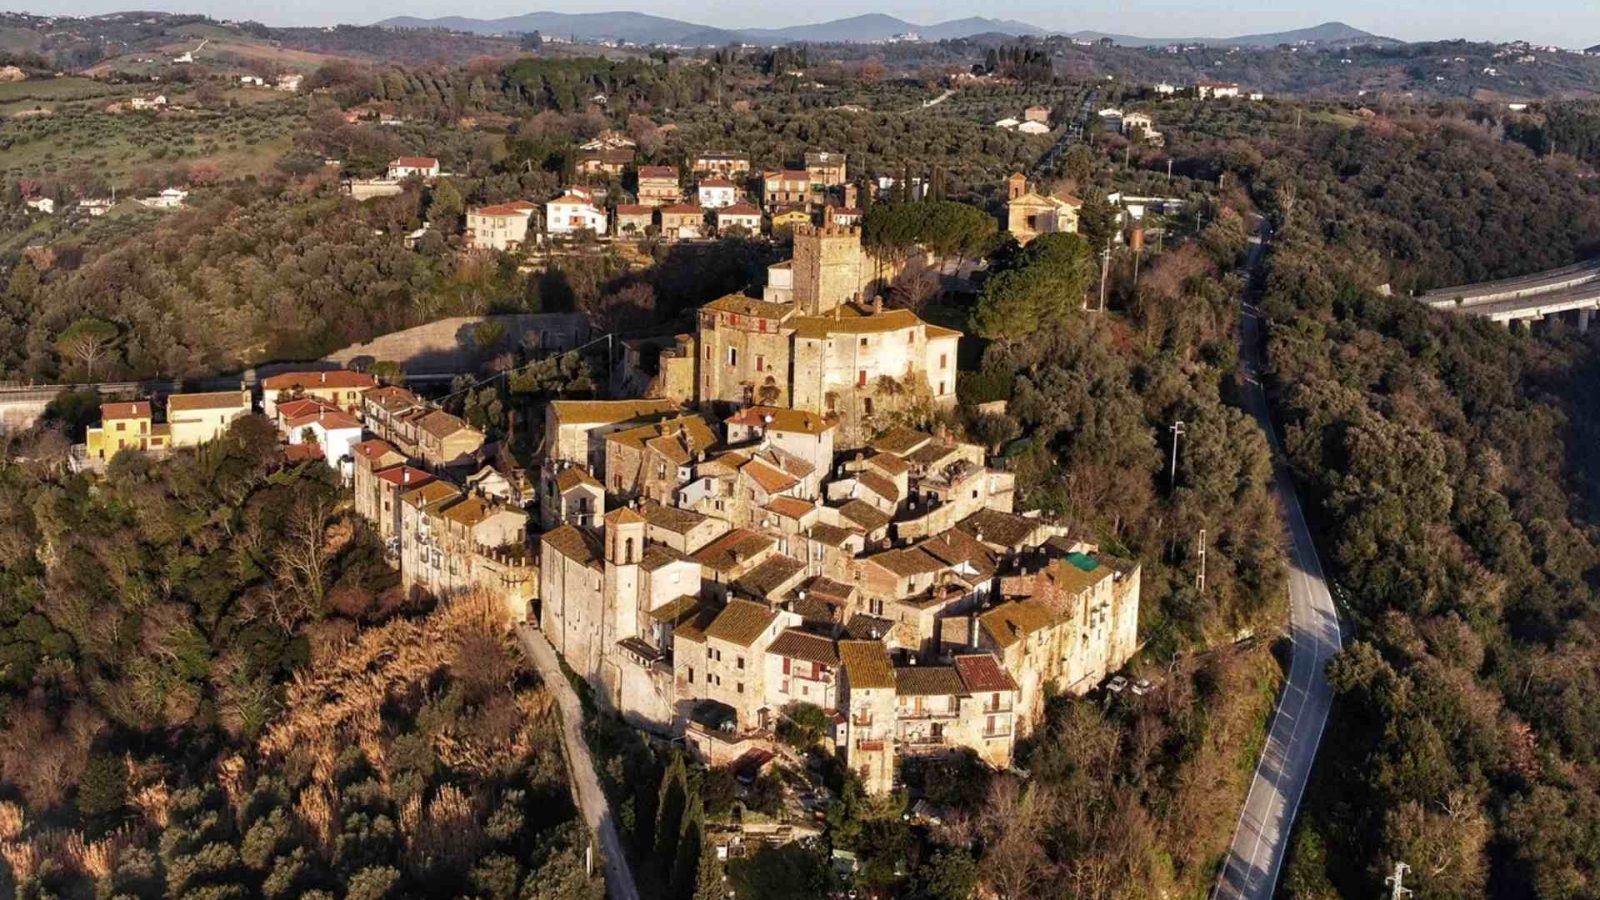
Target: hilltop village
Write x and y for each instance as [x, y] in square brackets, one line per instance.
[761, 532]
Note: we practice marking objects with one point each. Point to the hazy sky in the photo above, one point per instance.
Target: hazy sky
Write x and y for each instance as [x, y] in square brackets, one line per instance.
[1569, 23]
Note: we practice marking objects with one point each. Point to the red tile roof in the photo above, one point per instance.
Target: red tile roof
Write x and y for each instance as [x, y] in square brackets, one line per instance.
[739, 209]
[405, 476]
[415, 162]
[981, 673]
[372, 449]
[328, 420]
[658, 172]
[332, 378]
[138, 409]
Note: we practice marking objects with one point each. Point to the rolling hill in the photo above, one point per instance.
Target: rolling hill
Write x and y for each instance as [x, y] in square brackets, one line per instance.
[641, 28]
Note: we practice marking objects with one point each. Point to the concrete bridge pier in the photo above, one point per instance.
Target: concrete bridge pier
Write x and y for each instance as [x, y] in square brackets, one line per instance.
[1583, 320]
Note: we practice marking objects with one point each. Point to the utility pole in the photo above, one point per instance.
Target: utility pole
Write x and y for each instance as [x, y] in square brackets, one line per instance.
[1400, 891]
[1169, 173]
[1177, 432]
[1105, 270]
[1200, 583]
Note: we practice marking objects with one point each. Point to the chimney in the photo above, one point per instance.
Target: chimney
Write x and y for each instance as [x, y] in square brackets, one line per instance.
[405, 476]
[877, 304]
[324, 377]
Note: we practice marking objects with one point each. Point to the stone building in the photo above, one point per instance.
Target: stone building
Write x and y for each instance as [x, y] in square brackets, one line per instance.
[1030, 213]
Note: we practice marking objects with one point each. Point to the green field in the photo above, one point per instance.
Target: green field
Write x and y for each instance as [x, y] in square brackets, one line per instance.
[47, 93]
[241, 141]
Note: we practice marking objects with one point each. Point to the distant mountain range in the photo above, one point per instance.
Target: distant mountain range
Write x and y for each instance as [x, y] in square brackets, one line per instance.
[642, 28]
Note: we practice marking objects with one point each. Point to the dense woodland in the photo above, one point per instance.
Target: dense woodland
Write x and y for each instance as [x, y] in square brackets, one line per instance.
[1448, 460]
[214, 688]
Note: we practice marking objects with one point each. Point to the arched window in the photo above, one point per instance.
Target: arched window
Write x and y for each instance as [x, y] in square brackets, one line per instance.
[627, 552]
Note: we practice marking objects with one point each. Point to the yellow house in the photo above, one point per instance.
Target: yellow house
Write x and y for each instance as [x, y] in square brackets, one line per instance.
[791, 218]
[194, 419]
[125, 426]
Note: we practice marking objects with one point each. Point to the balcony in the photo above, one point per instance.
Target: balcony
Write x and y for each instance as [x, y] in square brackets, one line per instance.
[992, 708]
[927, 713]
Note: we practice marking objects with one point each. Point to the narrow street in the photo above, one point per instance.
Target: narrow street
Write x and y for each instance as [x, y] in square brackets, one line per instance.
[586, 790]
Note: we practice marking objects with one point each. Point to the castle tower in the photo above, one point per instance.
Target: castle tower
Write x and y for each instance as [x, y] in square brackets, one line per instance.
[829, 267]
[1016, 186]
[624, 548]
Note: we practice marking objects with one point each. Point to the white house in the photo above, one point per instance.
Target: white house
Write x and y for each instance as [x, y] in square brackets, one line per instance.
[407, 166]
[97, 206]
[1166, 89]
[503, 226]
[716, 193]
[1137, 121]
[1216, 90]
[572, 212]
[252, 80]
[42, 204]
[334, 431]
[290, 83]
[171, 198]
[742, 215]
[155, 102]
[1031, 127]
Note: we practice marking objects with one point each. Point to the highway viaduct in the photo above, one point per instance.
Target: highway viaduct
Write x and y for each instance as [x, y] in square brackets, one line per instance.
[1572, 290]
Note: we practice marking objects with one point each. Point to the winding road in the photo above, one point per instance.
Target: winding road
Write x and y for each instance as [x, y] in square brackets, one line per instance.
[1261, 838]
[586, 790]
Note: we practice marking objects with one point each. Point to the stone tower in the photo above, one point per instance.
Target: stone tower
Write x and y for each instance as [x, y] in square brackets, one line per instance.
[1016, 185]
[829, 267]
[624, 548]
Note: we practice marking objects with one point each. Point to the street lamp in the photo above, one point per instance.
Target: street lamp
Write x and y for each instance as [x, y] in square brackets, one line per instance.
[1177, 432]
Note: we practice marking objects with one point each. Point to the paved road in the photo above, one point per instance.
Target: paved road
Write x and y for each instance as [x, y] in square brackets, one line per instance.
[1262, 836]
[586, 791]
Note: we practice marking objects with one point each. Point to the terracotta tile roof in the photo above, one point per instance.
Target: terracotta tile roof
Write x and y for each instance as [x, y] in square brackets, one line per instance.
[866, 664]
[939, 331]
[716, 183]
[792, 507]
[830, 535]
[771, 576]
[469, 512]
[405, 476]
[982, 674]
[576, 476]
[373, 448]
[907, 561]
[770, 479]
[137, 409]
[673, 610]
[616, 157]
[673, 519]
[658, 172]
[928, 681]
[441, 424]
[880, 485]
[868, 517]
[597, 412]
[732, 550]
[788, 175]
[214, 400]
[955, 547]
[739, 211]
[657, 555]
[803, 645]
[889, 464]
[504, 210]
[306, 406]
[302, 452]
[739, 304]
[741, 622]
[635, 209]
[391, 398]
[1010, 622]
[624, 515]
[692, 625]
[326, 419]
[1002, 529]
[901, 440]
[581, 545]
[682, 209]
[776, 418]
[332, 378]
[693, 432]
[415, 162]
[869, 628]
[852, 320]
[823, 588]
[430, 495]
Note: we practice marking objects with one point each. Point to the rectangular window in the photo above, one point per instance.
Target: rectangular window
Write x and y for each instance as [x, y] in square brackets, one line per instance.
[738, 662]
[861, 378]
[786, 665]
[739, 687]
[944, 360]
[733, 356]
[911, 337]
[761, 363]
[863, 342]
[691, 675]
